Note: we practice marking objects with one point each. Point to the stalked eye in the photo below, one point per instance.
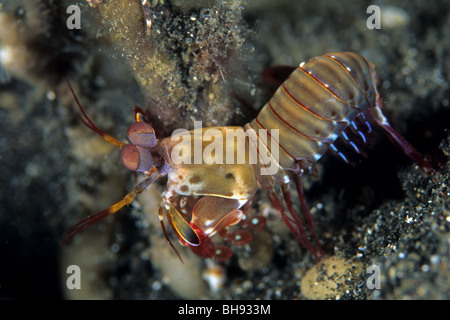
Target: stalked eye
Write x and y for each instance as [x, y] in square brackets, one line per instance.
[142, 134]
[136, 158]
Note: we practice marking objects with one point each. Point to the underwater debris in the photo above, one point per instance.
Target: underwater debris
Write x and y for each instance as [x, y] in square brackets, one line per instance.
[394, 17]
[332, 278]
[189, 63]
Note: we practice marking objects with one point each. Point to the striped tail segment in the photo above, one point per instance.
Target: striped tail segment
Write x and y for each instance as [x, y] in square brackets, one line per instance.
[319, 100]
[311, 109]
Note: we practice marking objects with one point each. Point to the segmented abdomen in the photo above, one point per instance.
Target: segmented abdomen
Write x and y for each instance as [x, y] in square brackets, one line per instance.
[316, 103]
